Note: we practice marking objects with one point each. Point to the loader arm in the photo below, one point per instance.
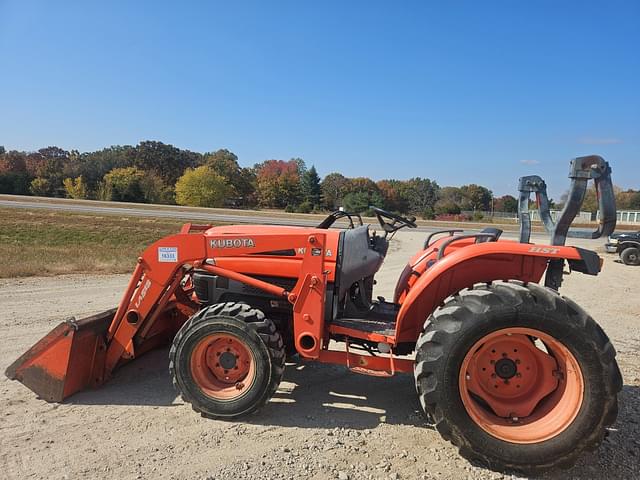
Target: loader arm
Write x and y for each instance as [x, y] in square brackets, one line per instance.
[157, 301]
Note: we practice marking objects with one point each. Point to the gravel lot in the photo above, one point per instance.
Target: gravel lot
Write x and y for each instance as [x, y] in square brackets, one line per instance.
[323, 423]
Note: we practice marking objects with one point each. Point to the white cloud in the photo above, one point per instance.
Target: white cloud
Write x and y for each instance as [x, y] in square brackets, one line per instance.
[529, 162]
[599, 140]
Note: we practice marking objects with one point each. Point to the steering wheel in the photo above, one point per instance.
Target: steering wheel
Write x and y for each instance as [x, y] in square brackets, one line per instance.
[397, 223]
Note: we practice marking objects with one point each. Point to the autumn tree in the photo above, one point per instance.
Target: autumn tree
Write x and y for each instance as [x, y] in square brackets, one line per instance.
[13, 162]
[75, 187]
[420, 195]
[332, 189]
[123, 185]
[278, 183]
[446, 206]
[14, 178]
[155, 189]
[225, 163]
[506, 203]
[48, 164]
[40, 187]
[202, 187]
[93, 166]
[167, 161]
[477, 197]
[391, 193]
[628, 200]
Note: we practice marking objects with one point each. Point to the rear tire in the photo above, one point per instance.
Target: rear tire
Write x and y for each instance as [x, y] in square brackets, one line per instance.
[227, 360]
[630, 256]
[457, 333]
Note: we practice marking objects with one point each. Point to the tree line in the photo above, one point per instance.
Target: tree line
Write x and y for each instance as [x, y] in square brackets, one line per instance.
[154, 172]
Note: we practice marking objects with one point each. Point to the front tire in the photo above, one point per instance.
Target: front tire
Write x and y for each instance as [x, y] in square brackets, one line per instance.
[630, 256]
[227, 360]
[517, 377]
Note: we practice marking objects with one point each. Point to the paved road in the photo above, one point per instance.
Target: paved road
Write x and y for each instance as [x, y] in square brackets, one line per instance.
[151, 212]
[212, 216]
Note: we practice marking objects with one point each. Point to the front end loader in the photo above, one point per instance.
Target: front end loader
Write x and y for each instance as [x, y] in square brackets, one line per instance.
[515, 375]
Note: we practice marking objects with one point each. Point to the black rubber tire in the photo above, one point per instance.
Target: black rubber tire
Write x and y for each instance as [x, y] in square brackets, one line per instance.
[470, 315]
[630, 256]
[261, 338]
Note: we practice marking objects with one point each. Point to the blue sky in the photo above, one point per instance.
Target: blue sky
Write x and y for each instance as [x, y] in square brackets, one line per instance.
[459, 92]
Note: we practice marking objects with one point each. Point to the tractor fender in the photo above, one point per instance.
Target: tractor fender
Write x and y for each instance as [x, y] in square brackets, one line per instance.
[479, 263]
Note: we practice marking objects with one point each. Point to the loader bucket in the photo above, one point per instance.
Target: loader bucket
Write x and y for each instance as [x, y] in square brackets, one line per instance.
[68, 359]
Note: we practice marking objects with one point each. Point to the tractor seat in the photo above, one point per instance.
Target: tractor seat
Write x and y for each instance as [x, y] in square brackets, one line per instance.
[493, 230]
[359, 259]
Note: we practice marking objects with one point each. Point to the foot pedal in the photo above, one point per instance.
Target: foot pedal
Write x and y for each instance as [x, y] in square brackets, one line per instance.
[369, 371]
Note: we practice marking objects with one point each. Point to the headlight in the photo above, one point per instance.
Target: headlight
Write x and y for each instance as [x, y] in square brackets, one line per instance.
[613, 240]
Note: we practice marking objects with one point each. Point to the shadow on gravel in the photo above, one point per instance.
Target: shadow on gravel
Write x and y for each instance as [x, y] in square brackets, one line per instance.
[144, 381]
[315, 395]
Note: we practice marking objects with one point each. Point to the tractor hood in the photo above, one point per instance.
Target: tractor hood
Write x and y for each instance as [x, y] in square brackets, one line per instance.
[267, 230]
[256, 237]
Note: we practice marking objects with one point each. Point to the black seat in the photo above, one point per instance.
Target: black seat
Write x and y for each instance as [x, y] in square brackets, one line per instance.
[359, 260]
[496, 231]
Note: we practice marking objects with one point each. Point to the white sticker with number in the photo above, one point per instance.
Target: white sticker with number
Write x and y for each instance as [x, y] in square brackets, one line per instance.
[168, 254]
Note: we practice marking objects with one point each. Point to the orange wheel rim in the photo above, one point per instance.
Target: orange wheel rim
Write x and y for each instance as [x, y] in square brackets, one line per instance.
[521, 385]
[223, 366]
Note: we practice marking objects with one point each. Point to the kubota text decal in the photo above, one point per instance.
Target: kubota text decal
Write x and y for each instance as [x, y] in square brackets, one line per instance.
[232, 243]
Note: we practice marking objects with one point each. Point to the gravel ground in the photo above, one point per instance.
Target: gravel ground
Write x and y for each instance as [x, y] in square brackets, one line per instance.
[323, 423]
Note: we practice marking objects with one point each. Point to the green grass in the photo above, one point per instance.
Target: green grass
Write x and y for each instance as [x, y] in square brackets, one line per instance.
[34, 242]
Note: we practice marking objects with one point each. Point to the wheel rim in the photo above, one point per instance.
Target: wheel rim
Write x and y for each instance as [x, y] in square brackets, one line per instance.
[515, 390]
[223, 366]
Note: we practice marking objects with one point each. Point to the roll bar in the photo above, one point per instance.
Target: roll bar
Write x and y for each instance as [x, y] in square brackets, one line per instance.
[526, 186]
[583, 169]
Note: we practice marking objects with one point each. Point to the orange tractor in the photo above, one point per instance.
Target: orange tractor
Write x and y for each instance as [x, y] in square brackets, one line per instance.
[511, 372]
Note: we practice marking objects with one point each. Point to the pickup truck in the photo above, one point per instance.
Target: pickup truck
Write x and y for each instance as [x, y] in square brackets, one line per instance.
[627, 245]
